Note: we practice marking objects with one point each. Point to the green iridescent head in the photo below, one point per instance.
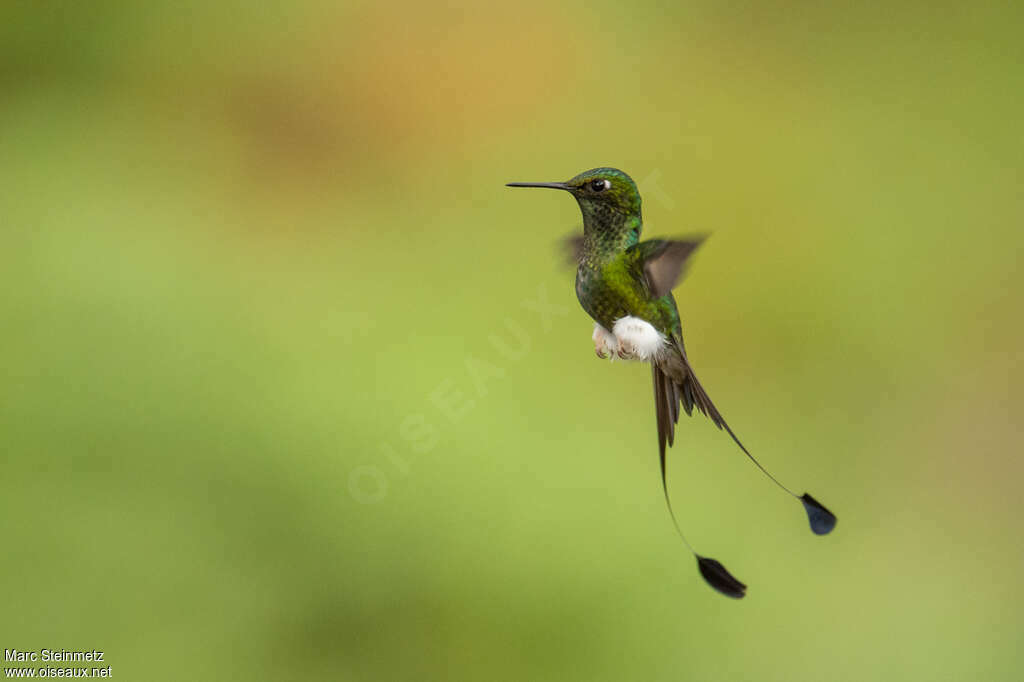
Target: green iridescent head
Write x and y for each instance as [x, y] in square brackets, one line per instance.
[608, 187]
[598, 191]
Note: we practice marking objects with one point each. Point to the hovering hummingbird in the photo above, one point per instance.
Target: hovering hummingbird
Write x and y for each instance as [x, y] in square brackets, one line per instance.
[626, 285]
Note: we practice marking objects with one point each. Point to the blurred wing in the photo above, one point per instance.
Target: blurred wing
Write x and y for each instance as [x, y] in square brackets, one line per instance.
[664, 262]
[572, 248]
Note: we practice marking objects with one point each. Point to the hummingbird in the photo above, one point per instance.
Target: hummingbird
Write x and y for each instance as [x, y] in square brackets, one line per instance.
[626, 285]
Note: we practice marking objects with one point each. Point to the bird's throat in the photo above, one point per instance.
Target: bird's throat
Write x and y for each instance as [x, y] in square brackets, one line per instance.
[607, 233]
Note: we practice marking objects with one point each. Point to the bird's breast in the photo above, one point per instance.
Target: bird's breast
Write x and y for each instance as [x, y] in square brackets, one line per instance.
[599, 296]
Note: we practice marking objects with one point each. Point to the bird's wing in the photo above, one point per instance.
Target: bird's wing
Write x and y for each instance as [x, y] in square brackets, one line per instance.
[662, 262]
[572, 248]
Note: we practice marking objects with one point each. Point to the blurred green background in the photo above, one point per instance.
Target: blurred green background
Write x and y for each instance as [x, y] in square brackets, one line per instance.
[277, 400]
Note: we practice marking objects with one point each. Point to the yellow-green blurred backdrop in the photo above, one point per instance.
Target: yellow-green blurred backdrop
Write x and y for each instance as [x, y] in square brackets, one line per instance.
[294, 388]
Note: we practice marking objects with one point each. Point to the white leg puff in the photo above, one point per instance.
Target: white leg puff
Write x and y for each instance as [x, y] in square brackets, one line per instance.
[605, 343]
[637, 338]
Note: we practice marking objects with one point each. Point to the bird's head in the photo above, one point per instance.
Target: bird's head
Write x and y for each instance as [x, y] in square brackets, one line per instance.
[599, 191]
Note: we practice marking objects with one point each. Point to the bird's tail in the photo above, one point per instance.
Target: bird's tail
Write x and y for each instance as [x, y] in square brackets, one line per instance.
[675, 384]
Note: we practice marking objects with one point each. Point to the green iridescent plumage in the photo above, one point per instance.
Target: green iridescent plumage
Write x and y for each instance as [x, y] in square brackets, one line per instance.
[614, 280]
[622, 279]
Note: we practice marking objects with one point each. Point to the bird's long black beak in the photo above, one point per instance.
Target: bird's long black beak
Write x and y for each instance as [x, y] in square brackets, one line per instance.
[549, 185]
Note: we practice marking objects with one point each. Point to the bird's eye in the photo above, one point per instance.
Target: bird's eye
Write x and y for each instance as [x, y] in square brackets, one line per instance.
[599, 185]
